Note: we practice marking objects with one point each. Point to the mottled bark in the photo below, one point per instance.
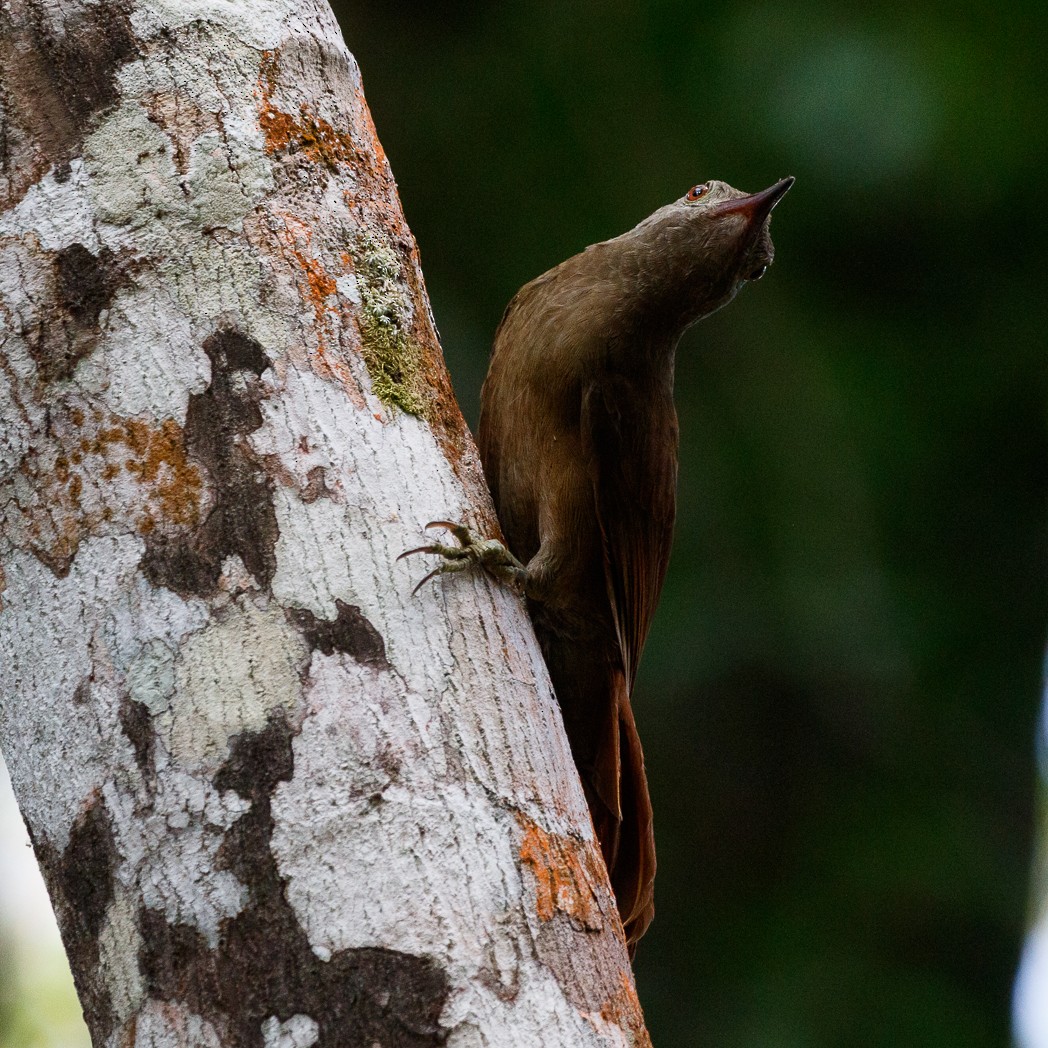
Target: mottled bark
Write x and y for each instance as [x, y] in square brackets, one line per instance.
[277, 800]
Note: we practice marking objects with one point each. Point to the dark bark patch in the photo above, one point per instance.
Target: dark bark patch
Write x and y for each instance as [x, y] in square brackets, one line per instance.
[57, 563]
[58, 80]
[230, 350]
[81, 883]
[349, 632]
[84, 285]
[242, 521]
[257, 762]
[264, 965]
[137, 723]
[85, 874]
[83, 61]
[316, 485]
[180, 565]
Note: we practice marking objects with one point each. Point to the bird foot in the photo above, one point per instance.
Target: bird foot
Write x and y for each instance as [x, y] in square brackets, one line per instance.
[471, 552]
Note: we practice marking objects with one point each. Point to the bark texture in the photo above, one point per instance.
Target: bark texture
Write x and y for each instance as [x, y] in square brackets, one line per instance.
[277, 800]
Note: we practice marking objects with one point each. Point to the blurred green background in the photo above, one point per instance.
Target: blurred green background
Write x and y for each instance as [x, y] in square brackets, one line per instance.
[839, 697]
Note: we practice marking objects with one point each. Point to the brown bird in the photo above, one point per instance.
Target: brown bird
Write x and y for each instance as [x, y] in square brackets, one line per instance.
[578, 436]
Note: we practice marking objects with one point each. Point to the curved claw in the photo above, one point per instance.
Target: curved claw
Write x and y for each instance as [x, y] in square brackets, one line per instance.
[460, 531]
[417, 549]
[455, 557]
[425, 578]
[470, 553]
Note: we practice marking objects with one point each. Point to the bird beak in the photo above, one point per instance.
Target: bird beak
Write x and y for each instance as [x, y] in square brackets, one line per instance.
[757, 206]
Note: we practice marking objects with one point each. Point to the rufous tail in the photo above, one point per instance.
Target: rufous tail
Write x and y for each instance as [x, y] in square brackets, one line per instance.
[621, 810]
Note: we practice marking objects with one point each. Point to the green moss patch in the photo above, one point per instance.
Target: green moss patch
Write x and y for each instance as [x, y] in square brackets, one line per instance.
[393, 359]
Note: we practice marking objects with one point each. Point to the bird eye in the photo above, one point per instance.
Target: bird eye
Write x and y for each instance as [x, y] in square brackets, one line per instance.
[698, 192]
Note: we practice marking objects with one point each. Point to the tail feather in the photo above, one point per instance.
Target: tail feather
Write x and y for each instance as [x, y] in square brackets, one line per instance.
[626, 835]
[594, 698]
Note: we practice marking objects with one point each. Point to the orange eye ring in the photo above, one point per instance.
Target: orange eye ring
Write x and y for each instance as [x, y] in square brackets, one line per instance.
[698, 192]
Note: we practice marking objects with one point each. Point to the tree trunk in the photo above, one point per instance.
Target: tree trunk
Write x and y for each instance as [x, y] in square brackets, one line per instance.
[277, 800]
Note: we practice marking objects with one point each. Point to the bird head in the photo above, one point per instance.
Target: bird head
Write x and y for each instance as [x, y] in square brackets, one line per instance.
[697, 252]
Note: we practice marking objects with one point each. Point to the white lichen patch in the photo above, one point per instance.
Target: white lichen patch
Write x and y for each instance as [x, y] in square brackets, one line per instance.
[118, 951]
[55, 210]
[141, 200]
[134, 185]
[159, 385]
[376, 732]
[536, 1013]
[372, 804]
[312, 567]
[303, 425]
[186, 73]
[15, 439]
[347, 286]
[300, 1031]
[216, 282]
[170, 850]
[162, 1024]
[235, 579]
[257, 25]
[228, 174]
[150, 678]
[229, 676]
[49, 626]
[146, 622]
[432, 873]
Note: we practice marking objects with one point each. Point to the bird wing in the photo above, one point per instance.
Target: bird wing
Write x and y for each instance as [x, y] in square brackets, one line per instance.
[630, 440]
[630, 437]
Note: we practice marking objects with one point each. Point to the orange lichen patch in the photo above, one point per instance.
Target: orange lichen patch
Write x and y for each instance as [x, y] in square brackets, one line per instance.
[307, 133]
[122, 470]
[161, 467]
[317, 288]
[623, 1009]
[567, 874]
[372, 210]
[319, 283]
[370, 131]
[154, 457]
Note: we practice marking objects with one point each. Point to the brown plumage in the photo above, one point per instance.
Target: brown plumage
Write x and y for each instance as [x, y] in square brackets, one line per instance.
[578, 436]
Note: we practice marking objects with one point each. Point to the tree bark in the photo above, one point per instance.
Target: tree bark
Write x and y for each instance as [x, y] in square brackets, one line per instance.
[277, 800]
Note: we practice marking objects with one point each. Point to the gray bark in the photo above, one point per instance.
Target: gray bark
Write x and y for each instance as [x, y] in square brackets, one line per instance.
[277, 800]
